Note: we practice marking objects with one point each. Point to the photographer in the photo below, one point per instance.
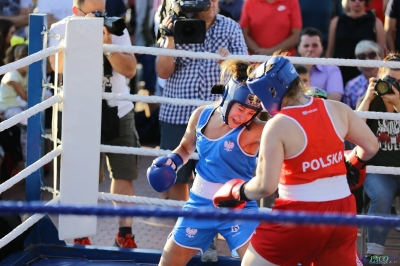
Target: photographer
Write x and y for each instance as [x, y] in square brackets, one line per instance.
[123, 168]
[382, 188]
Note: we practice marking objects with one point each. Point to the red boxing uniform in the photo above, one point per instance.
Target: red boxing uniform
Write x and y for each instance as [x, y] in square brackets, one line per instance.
[313, 181]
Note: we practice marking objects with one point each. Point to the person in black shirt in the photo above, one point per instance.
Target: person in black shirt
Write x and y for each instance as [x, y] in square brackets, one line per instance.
[382, 188]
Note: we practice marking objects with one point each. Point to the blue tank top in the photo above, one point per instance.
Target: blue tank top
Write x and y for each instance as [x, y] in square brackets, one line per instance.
[221, 160]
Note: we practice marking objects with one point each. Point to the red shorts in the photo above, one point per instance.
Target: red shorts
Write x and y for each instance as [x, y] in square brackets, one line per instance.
[289, 244]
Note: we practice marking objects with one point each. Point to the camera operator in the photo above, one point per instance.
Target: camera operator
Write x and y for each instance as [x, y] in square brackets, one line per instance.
[123, 168]
[382, 188]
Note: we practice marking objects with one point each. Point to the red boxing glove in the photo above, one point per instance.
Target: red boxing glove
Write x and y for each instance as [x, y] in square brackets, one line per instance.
[356, 170]
[231, 195]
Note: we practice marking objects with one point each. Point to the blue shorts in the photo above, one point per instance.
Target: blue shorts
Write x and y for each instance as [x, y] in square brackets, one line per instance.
[198, 234]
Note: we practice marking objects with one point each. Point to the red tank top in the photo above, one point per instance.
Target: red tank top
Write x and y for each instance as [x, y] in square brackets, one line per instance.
[322, 155]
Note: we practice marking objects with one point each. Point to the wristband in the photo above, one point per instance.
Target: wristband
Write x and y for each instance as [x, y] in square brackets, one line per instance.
[356, 161]
[242, 194]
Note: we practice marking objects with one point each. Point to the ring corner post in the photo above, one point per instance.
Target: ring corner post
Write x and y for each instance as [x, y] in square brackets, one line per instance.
[81, 120]
[34, 141]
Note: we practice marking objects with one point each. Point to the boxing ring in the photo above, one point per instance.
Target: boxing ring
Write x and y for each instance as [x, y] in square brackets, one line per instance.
[77, 200]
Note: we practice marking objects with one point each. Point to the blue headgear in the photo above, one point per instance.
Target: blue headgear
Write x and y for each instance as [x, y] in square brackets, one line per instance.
[271, 86]
[236, 91]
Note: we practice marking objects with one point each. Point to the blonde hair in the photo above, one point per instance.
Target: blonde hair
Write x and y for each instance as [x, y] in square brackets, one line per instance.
[392, 57]
[235, 68]
[20, 51]
[16, 52]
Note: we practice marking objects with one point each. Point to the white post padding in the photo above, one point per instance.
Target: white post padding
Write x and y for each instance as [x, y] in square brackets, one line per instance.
[81, 123]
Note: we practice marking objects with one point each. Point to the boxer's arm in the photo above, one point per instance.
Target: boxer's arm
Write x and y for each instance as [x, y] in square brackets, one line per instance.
[162, 174]
[270, 160]
[360, 134]
[187, 145]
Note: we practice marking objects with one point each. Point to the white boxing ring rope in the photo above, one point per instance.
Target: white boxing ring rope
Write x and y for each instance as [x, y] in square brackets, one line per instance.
[152, 99]
[178, 101]
[249, 58]
[30, 169]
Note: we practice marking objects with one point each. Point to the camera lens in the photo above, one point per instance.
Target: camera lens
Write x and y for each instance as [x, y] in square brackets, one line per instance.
[382, 87]
[188, 30]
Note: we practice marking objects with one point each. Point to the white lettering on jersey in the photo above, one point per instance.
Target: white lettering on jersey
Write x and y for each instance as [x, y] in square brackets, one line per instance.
[310, 111]
[318, 163]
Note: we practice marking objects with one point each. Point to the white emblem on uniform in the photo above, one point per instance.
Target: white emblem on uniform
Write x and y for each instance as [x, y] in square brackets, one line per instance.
[199, 138]
[281, 8]
[310, 111]
[228, 145]
[235, 228]
[190, 232]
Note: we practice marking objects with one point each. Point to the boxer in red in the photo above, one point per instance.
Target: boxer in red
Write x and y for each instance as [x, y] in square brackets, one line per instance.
[302, 155]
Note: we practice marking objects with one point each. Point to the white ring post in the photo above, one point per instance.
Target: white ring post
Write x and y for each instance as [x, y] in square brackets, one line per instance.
[81, 120]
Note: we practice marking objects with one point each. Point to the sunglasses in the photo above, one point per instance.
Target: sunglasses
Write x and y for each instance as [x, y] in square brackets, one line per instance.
[96, 13]
[371, 55]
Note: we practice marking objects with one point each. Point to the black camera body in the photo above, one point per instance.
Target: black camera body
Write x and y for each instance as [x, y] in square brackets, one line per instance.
[186, 29]
[384, 86]
[114, 25]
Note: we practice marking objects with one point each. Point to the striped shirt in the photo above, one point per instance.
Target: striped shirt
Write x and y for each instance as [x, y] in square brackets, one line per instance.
[193, 77]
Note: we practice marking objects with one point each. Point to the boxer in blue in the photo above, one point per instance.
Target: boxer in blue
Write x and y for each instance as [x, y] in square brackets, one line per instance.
[227, 138]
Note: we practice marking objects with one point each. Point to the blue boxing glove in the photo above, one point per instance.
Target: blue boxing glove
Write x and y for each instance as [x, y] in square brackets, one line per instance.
[162, 172]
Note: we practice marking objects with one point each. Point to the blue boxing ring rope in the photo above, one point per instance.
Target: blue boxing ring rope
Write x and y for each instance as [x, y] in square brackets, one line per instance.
[204, 214]
[42, 245]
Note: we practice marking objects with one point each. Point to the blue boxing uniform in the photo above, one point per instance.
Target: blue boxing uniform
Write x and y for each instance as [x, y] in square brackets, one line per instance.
[220, 160]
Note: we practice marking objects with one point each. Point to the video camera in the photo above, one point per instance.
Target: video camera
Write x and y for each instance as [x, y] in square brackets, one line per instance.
[186, 29]
[114, 25]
